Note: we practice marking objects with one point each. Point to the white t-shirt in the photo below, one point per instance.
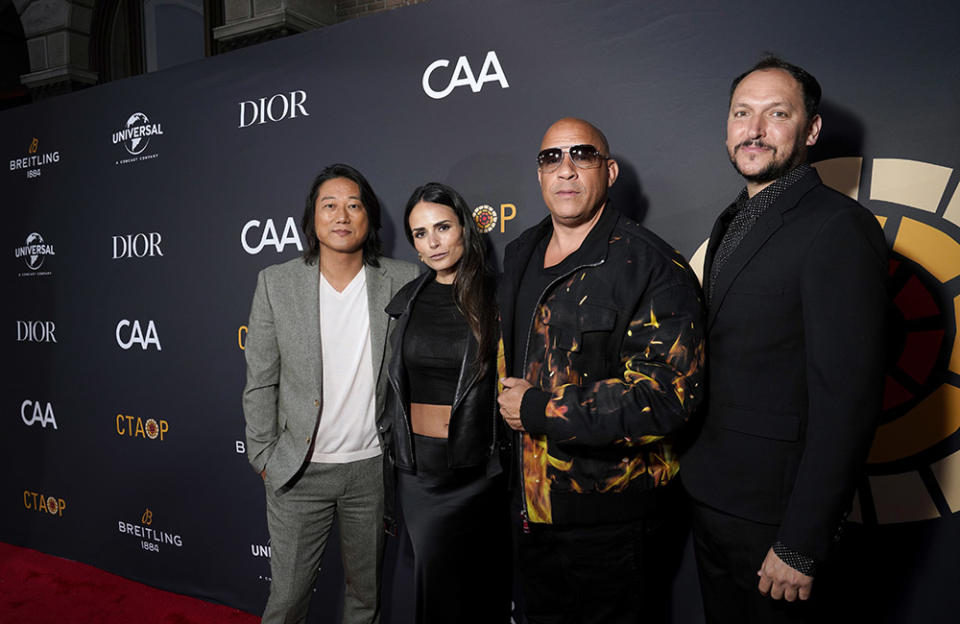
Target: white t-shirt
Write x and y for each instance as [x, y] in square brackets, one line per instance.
[348, 429]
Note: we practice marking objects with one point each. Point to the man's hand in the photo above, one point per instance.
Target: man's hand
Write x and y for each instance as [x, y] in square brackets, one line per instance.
[510, 399]
[263, 474]
[781, 581]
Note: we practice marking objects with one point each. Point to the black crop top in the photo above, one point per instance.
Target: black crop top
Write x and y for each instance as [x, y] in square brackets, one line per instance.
[434, 344]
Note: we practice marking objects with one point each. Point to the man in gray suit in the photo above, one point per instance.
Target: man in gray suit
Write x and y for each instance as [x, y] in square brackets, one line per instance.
[314, 397]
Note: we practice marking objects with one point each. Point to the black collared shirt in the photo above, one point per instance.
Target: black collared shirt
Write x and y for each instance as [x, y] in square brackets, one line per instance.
[744, 214]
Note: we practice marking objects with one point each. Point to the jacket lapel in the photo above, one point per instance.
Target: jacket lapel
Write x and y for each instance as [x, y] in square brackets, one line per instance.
[762, 230]
[378, 296]
[308, 283]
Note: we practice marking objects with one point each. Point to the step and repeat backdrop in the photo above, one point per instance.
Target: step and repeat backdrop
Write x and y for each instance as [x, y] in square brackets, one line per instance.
[137, 215]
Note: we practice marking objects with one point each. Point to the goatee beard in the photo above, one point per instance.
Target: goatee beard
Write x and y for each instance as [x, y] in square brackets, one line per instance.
[774, 170]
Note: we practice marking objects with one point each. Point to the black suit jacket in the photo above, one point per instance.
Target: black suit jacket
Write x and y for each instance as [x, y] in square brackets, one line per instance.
[795, 366]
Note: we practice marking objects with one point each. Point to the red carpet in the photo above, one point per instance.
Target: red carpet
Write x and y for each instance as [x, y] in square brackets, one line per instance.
[41, 589]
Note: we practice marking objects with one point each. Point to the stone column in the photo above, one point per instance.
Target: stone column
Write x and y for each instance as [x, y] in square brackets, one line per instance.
[247, 22]
[58, 42]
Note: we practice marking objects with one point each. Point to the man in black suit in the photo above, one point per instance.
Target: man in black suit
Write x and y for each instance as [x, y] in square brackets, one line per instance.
[795, 278]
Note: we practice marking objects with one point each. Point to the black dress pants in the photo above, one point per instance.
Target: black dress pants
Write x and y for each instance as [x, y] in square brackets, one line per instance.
[729, 552]
[459, 526]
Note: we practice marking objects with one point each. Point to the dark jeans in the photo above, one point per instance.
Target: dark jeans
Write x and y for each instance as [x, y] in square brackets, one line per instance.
[607, 574]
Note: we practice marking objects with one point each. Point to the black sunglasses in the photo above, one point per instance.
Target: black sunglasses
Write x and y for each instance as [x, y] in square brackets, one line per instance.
[584, 156]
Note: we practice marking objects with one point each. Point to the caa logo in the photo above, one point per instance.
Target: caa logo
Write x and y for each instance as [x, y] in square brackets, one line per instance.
[139, 245]
[137, 336]
[135, 427]
[36, 412]
[279, 107]
[463, 75]
[36, 331]
[42, 503]
[290, 236]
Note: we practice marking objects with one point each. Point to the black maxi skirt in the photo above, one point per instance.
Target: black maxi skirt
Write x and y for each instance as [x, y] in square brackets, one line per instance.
[458, 522]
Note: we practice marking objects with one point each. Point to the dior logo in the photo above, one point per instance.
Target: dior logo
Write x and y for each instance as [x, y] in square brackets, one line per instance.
[36, 331]
[277, 108]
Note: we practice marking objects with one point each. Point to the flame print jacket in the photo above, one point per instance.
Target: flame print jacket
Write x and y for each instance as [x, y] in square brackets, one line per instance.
[615, 357]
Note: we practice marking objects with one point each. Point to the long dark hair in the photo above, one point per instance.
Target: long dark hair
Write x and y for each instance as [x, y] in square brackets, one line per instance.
[371, 246]
[473, 286]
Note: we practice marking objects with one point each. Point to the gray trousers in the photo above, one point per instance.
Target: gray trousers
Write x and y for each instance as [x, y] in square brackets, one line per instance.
[300, 520]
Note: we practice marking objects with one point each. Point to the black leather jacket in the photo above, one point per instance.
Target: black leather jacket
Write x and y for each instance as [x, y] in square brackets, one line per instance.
[474, 419]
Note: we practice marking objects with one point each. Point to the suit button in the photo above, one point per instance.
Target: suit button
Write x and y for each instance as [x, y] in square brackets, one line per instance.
[382, 429]
[308, 440]
[317, 402]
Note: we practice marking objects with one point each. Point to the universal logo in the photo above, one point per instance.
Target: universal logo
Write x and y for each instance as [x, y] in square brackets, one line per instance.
[276, 108]
[34, 160]
[151, 539]
[268, 236]
[135, 137]
[33, 412]
[43, 503]
[260, 550]
[34, 251]
[135, 427]
[463, 75]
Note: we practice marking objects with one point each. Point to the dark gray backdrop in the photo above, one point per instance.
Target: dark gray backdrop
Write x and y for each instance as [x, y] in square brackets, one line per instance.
[653, 75]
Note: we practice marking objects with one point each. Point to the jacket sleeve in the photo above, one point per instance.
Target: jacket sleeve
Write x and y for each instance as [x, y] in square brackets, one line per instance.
[656, 387]
[844, 313]
[260, 394]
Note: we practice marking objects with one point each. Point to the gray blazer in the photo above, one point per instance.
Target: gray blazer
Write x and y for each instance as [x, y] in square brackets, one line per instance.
[283, 396]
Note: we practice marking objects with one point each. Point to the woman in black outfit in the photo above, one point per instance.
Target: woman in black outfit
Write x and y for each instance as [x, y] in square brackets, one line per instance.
[445, 421]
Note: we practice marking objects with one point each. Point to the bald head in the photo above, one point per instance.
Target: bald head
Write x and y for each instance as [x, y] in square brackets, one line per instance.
[573, 126]
[575, 193]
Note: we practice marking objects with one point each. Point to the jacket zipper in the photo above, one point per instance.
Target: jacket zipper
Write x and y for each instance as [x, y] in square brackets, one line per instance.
[524, 515]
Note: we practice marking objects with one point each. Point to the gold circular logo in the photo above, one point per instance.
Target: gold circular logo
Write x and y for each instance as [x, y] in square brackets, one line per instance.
[52, 506]
[151, 428]
[485, 217]
[913, 471]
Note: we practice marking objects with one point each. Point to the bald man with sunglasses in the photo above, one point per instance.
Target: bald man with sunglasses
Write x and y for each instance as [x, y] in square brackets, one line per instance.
[603, 360]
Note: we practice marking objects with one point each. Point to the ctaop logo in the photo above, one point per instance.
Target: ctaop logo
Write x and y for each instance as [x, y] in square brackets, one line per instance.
[486, 217]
